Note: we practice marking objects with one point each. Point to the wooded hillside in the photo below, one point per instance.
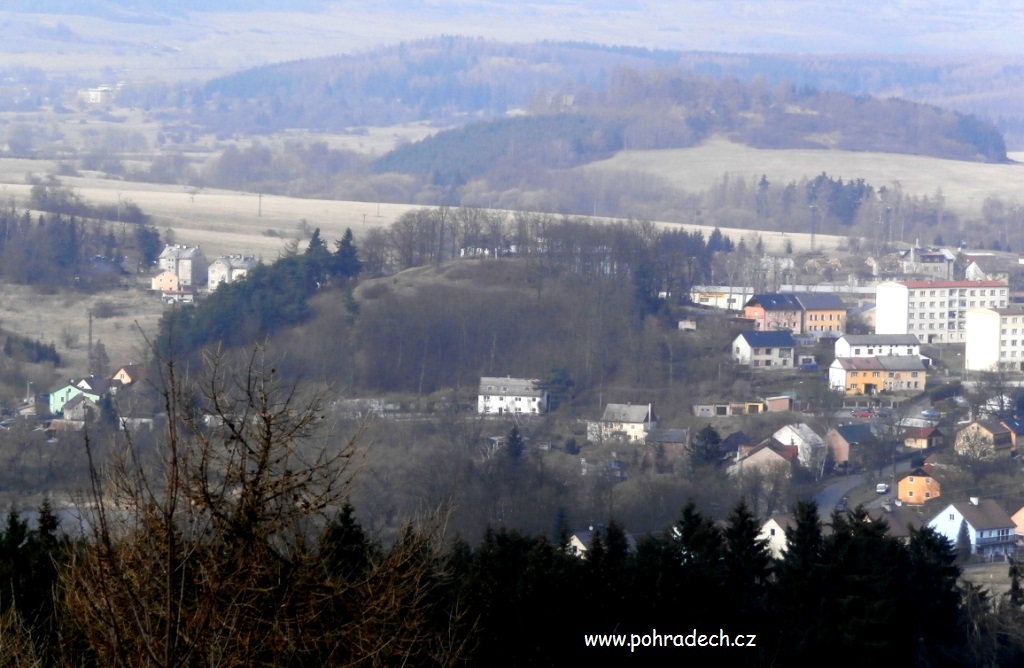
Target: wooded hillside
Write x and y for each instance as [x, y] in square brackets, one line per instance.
[644, 99]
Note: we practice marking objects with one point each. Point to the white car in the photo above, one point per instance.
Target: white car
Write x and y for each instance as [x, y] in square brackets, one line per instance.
[881, 488]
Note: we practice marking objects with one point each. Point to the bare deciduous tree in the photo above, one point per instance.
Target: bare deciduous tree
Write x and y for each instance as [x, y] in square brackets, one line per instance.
[213, 552]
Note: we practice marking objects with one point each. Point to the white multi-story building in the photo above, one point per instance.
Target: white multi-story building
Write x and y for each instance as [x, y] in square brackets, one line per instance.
[228, 269]
[186, 262]
[499, 396]
[995, 339]
[934, 311]
[877, 345]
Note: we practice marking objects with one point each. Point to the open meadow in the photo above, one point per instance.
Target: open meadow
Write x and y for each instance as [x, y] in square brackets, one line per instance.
[964, 185]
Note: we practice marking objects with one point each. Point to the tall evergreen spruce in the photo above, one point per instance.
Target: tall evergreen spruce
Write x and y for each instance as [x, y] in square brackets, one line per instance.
[801, 579]
[346, 263]
[963, 543]
[747, 565]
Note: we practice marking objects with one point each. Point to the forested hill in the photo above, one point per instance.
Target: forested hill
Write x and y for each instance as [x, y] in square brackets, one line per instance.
[631, 98]
[659, 111]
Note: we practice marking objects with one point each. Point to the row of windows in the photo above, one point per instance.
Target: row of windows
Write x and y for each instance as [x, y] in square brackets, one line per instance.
[941, 325]
[957, 291]
[783, 352]
[961, 303]
[889, 385]
[876, 374]
[871, 351]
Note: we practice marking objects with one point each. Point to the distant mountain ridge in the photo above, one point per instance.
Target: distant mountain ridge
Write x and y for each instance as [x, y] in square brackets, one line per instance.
[575, 102]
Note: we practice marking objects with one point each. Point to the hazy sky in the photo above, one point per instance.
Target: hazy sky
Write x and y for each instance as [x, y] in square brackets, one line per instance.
[134, 36]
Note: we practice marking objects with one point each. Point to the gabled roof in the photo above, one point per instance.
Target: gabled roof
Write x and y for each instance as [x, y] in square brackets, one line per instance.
[733, 441]
[985, 516]
[626, 413]
[586, 536]
[135, 371]
[93, 385]
[991, 426]
[901, 363]
[776, 301]
[857, 433]
[78, 399]
[803, 431]
[881, 339]
[820, 301]
[181, 252]
[788, 452]
[768, 339]
[900, 519]
[516, 387]
[921, 432]
[237, 261]
[919, 472]
[881, 363]
[787, 521]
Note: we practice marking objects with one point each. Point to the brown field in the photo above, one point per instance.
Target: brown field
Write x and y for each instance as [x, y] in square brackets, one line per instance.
[39, 315]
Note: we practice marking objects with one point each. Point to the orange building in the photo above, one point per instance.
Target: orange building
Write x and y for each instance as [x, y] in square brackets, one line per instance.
[918, 487]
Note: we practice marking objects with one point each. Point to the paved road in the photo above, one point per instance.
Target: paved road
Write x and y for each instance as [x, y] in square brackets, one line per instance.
[828, 497]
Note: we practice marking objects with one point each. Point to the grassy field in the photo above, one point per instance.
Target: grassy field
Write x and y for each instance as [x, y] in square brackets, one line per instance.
[964, 185]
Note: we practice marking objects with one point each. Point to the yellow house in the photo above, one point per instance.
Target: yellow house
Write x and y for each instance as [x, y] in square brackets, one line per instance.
[822, 312]
[871, 375]
[923, 438]
[918, 487]
[982, 439]
[626, 421]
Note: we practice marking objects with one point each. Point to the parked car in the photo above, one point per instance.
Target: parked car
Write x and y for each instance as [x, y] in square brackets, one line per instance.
[881, 488]
[841, 506]
[883, 412]
[930, 414]
[860, 413]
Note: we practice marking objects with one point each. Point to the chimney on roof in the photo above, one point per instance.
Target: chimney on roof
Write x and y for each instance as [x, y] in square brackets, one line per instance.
[974, 500]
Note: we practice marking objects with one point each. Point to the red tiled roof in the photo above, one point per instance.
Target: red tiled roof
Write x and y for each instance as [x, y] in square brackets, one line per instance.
[788, 452]
[954, 284]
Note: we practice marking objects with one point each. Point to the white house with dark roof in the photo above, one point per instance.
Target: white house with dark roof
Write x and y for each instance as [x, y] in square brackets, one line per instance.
[991, 529]
[228, 269]
[767, 349]
[499, 396]
[877, 345]
[629, 422]
[810, 446]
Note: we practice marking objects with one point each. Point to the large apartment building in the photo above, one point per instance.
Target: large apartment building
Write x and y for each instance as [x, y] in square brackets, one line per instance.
[934, 311]
[995, 339]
